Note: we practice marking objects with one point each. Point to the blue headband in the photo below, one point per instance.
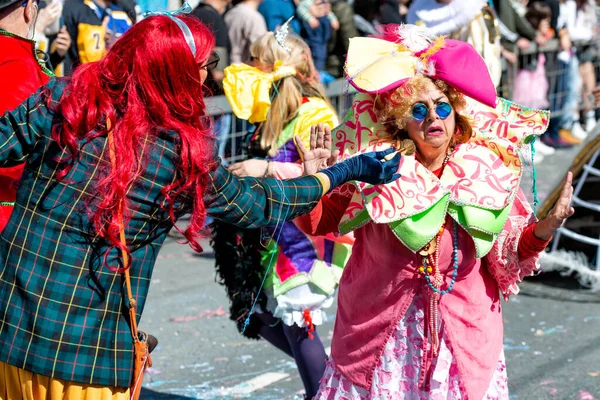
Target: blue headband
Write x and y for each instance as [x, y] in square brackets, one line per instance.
[187, 34]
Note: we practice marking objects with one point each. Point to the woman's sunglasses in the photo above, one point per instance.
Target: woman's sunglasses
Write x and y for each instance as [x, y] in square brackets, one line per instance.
[420, 111]
[212, 62]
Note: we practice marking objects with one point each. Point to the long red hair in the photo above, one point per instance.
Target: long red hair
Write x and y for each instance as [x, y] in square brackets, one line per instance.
[148, 80]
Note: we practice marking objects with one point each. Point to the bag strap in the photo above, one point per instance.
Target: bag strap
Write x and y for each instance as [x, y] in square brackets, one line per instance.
[132, 301]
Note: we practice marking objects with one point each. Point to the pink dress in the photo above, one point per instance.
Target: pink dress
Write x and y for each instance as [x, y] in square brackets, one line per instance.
[397, 374]
[531, 87]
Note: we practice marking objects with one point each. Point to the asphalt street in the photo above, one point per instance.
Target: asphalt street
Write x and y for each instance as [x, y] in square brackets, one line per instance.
[551, 330]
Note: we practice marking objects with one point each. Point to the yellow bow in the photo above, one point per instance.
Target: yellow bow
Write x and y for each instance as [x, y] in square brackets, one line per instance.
[372, 64]
[248, 89]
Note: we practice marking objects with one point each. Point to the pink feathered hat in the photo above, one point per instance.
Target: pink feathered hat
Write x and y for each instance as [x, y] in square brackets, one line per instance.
[386, 61]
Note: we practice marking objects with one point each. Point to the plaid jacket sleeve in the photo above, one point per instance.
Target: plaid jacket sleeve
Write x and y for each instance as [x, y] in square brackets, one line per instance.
[21, 128]
[254, 203]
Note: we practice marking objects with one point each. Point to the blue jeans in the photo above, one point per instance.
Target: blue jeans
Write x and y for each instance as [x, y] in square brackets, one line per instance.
[571, 104]
[565, 96]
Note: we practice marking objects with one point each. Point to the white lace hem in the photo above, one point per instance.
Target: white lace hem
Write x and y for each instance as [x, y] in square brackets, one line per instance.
[290, 306]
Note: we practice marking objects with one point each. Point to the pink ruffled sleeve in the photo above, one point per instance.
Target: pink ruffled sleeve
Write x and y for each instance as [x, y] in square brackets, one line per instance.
[503, 259]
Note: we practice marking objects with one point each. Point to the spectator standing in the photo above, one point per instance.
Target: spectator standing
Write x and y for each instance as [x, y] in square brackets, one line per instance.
[276, 12]
[337, 48]
[244, 25]
[466, 20]
[582, 33]
[47, 23]
[531, 83]
[520, 32]
[317, 32]
[50, 38]
[564, 91]
[20, 76]
[554, 9]
[93, 26]
[210, 12]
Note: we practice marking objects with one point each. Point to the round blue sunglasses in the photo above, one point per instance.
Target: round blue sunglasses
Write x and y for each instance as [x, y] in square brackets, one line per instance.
[420, 110]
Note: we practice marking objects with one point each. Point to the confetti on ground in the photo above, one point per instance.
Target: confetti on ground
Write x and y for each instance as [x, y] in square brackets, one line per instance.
[594, 374]
[219, 312]
[550, 331]
[585, 395]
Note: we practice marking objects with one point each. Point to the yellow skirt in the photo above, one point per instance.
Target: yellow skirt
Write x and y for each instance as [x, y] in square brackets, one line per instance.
[17, 384]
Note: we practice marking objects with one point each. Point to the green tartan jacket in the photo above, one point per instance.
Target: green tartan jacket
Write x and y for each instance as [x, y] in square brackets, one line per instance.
[62, 312]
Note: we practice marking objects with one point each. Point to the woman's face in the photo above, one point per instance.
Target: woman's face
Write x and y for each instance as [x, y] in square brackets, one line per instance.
[433, 131]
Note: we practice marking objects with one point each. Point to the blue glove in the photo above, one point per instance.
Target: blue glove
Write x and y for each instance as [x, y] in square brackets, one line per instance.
[367, 167]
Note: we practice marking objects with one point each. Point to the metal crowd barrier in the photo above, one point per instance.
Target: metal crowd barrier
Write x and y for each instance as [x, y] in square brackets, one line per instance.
[556, 71]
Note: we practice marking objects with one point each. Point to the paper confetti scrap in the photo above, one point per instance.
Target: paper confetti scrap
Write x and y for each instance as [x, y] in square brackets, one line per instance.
[219, 312]
[585, 395]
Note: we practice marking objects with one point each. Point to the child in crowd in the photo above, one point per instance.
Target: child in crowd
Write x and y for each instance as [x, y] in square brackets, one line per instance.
[51, 39]
[564, 129]
[531, 83]
[583, 32]
[316, 32]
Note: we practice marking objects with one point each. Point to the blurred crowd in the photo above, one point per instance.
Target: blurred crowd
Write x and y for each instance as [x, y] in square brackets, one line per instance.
[540, 53]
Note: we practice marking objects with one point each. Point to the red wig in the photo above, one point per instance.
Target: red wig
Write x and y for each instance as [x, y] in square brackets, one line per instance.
[149, 80]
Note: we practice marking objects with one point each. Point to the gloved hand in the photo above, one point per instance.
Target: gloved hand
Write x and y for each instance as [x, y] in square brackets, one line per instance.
[368, 167]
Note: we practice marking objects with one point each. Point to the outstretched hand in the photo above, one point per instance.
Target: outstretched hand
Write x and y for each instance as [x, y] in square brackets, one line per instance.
[378, 167]
[320, 155]
[547, 227]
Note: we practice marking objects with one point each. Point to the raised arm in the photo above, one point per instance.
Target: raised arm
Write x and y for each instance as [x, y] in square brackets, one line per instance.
[255, 202]
[21, 128]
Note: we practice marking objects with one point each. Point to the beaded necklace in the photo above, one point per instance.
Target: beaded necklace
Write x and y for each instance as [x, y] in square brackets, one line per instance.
[433, 278]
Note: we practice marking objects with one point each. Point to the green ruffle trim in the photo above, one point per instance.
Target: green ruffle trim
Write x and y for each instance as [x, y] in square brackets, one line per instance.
[483, 225]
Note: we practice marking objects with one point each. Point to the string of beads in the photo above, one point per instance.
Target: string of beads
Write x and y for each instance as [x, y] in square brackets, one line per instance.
[436, 284]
